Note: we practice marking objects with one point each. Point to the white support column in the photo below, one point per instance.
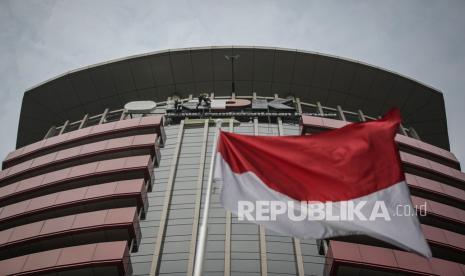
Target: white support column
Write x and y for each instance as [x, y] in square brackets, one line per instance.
[198, 200]
[299, 106]
[341, 113]
[296, 242]
[361, 116]
[203, 230]
[319, 108]
[401, 127]
[166, 204]
[261, 229]
[413, 133]
[65, 125]
[227, 236]
[83, 121]
[51, 131]
[104, 116]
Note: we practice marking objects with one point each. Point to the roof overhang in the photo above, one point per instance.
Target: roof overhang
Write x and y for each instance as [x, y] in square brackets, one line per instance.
[155, 76]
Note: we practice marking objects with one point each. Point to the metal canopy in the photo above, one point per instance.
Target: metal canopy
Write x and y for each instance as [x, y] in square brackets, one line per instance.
[155, 76]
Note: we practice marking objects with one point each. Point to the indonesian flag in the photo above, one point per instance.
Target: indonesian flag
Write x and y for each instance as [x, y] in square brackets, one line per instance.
[347, 181]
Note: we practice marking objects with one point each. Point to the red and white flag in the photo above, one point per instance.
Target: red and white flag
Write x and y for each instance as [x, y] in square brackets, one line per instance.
[347, 181]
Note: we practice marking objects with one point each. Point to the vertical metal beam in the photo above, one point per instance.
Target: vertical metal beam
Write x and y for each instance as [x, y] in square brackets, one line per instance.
[233, 95]
[227, 234]
[325, 246]
[83, 121]
[296, 242]
[280, 127]
[65, 125]
[401, 127]
[298, 257]
[50, 132]
[166, 203]
[319, 108]
[203, 229]
[198, 201]
[123, 115]
[361, 116]
[413, 133]
[104, 116]
[261, 229]
[341, 113]
[299, 106]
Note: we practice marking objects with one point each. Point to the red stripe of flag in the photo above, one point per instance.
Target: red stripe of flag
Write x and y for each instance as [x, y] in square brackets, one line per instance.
[336, 165]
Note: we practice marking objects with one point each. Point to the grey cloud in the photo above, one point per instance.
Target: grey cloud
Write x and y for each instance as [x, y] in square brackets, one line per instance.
[420, 39]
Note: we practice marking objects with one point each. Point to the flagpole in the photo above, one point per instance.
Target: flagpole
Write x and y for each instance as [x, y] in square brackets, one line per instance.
[202, 240]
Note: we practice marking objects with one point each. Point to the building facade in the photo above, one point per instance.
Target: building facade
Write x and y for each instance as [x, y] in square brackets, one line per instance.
[97, 189]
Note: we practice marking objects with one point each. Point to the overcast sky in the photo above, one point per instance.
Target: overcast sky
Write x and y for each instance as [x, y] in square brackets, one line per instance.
[423, 39]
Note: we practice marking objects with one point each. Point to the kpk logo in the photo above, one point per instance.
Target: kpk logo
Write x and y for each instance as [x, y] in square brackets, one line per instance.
[204, 104]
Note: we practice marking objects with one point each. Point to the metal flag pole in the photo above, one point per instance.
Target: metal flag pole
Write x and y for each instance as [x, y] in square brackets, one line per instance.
[202, 240]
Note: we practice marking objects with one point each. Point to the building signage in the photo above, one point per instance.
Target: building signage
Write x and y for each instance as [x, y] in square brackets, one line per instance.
[204, 104]
[231, 114]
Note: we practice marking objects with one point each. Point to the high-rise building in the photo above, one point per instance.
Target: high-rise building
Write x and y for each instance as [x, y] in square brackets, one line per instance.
[95, 188]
